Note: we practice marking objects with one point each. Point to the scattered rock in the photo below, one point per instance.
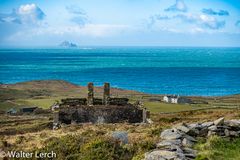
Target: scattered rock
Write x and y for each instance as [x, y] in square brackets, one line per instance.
[121, 136]
[219, 121]
[149, 121]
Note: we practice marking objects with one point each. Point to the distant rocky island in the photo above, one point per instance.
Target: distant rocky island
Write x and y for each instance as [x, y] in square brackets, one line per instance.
[67, 44]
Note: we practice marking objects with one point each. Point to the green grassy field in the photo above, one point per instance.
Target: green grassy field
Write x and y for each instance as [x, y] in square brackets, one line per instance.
[157, 107]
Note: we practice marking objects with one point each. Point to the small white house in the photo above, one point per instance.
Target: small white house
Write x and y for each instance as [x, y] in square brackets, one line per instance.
[176, 99]
[171, 99]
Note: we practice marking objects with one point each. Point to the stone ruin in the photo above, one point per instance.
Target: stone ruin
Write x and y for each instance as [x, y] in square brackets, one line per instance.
[99, 110]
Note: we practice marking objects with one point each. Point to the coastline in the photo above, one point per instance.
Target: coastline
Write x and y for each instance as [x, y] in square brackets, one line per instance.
[122, 90]
[44, 93]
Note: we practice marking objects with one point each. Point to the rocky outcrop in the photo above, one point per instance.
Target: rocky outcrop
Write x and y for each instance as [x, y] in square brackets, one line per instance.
[176, 143]
[67, 44]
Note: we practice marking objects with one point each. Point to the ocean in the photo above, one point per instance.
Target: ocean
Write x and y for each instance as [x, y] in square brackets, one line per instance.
[155, 70]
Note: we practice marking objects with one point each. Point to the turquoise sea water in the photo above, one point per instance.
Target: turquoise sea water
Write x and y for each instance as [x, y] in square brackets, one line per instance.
[184, 71]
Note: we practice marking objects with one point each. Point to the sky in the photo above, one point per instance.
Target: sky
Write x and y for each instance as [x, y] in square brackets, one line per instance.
[120, 23]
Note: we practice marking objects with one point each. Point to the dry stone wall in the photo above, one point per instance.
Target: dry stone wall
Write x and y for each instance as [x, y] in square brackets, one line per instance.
[176, 143]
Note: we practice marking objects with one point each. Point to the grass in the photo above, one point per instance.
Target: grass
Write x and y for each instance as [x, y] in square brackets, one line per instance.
[156, 107]
[4, 106]
[43, 103]
[44, 93]
[217, 148]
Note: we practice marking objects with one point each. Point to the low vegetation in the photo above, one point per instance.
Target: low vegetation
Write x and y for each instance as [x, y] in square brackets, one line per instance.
[218, 148]
[91, 141]
[33, 132]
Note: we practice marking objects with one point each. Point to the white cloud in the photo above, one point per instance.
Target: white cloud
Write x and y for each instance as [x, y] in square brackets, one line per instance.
[178, 6]
[25, 14]
[200, 20]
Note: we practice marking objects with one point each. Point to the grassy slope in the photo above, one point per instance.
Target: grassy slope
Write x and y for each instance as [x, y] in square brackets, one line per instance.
[45, 93]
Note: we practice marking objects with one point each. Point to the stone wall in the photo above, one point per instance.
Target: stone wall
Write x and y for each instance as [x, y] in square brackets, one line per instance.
[96, 101]
[100, 114]
[177, 142]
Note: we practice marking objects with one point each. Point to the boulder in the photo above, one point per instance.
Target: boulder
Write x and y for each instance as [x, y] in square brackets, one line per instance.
[171, 134]
[219, 121]
[182, 127]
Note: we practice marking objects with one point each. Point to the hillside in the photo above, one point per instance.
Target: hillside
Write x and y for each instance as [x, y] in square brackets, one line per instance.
[43, 93]
[33, 132]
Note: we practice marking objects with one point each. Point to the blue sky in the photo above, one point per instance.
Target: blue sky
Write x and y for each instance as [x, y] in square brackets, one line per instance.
[120, 23]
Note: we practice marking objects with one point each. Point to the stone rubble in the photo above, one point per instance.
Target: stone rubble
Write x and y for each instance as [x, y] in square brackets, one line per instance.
[176, 143]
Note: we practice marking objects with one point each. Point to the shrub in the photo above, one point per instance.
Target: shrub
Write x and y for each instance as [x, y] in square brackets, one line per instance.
[87, 148]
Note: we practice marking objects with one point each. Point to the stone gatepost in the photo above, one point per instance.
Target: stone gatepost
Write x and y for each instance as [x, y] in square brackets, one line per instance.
[106, 94]
[90, 94]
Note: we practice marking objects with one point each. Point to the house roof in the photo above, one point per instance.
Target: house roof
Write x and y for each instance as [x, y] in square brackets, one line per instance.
[172, 96]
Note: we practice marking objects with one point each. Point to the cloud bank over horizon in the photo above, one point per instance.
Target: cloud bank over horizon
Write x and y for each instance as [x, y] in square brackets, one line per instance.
[161, 23]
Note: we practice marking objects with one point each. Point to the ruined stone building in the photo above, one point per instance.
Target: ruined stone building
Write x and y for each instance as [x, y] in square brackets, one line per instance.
[99, 110]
